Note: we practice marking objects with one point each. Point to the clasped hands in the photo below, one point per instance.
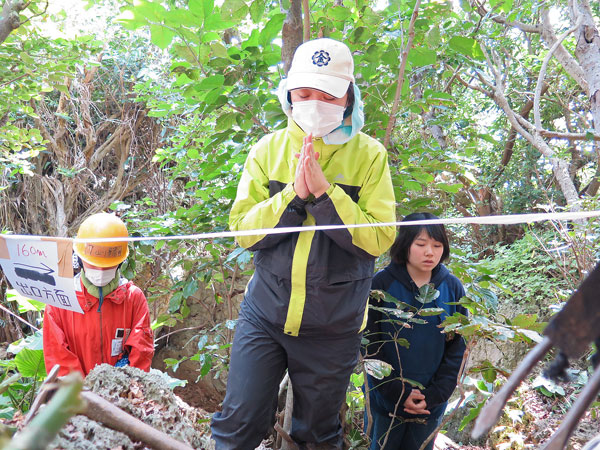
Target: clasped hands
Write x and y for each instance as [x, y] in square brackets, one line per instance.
[415, 403]
[309, 178]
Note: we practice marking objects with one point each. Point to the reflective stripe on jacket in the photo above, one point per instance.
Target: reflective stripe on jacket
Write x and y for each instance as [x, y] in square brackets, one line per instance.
[314, 281]
[78, 342]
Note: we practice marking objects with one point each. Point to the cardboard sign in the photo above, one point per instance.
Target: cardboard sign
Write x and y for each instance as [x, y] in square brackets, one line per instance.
[40, 269]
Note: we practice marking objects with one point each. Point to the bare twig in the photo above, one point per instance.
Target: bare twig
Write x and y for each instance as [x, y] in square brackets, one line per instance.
[43, 393]
[177, 331]
[461, 389]
[306, 20]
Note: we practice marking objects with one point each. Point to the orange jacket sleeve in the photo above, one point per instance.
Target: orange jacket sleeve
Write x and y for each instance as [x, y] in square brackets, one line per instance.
[56, 349]
[140, 342]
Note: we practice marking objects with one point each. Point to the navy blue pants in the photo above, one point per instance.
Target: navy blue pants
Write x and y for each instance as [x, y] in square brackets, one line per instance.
[319, 368]
[403, 435]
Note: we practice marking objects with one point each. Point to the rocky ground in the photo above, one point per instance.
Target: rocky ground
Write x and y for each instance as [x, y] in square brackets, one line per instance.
[529, 421]
[146, 396]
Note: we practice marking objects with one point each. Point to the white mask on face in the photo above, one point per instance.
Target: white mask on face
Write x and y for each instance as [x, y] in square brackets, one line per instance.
[317, 117]
[100, 277]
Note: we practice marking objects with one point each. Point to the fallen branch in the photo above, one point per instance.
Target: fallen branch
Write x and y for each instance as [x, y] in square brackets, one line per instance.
[103, 411]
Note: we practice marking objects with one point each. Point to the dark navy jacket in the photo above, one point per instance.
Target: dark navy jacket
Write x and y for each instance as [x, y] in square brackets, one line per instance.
[432, 359]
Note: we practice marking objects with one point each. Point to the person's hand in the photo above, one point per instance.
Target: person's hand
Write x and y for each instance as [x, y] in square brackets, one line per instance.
[299, 180]
[415, 403]
[315, 178]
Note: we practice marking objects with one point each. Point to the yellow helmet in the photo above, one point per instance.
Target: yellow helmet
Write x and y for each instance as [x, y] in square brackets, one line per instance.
[102, 254]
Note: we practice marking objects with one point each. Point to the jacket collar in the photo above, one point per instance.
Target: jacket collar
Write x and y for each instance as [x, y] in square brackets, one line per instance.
[89, 301]
[438, 275]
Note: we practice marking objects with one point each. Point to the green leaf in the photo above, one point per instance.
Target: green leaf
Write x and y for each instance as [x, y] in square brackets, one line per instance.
[377, 369]
[234, 10]
[226, 121]
[431, 311]
[271, 30]
[402, 342]
[433, 36]
[171, 382]
[218, 49]
[177, 17]
[524, 320]
[257, 9]
[129, 21]
[211, 82]
[421, 56]
[412, 185]
[216, 22]
[32, 342]
[473, 413]
[25, 304]
[175, 301]
[163, 320]
[589, 135]
[427, 293]
[489, 375]
[467, 46]
[30, 363]
[161, 36]
[451, 188]
[185, 52]
[339, 13]
[507, 6]
[196, 7]
[190, 288]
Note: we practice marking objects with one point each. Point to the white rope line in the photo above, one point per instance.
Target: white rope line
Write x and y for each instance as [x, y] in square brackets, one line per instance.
[510, 219]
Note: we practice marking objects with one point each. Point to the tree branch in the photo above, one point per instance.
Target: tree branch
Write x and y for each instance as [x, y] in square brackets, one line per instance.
[498, 18]
[542, 74]
[569, 63]
[103, 411]
[10, 17]
[407, 47]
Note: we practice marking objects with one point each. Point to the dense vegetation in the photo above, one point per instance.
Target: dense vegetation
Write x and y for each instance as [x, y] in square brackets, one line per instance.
[148, 108]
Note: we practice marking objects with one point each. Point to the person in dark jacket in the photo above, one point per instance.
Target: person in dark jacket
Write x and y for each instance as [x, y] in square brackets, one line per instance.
[403, 416]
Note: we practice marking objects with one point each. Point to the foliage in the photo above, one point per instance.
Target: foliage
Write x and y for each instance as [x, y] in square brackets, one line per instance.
[200, 76]
[32, 66]
[516, 268]
[28, 365]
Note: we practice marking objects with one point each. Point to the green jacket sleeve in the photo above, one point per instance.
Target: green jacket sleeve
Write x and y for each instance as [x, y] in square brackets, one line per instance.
[376, 204]
[254, 208]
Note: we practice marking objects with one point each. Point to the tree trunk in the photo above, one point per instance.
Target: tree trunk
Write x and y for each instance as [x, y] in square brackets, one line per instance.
[291, 33]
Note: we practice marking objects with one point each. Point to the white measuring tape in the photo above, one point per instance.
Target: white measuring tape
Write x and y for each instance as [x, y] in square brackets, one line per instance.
[510, 219]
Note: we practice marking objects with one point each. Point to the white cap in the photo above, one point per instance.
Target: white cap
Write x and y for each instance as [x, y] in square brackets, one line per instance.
[323, 64]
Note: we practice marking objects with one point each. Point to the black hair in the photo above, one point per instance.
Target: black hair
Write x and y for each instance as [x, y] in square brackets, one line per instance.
[407, 235]
[349, 100]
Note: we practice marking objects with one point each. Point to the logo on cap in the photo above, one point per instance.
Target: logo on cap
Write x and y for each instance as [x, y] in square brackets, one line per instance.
[321, 58]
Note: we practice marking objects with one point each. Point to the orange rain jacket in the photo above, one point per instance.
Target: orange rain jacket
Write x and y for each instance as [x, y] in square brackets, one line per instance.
[78, 342]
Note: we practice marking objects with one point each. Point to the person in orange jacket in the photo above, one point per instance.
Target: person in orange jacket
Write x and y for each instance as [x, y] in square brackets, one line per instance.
[115, 326]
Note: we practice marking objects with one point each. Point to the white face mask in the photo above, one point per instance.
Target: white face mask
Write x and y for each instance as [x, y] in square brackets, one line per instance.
[317, 117]
[100, 277]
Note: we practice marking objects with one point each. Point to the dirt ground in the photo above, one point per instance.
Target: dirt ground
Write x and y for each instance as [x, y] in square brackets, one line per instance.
[529, 421]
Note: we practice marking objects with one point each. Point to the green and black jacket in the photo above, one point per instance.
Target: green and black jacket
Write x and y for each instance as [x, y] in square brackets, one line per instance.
[314, 282]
